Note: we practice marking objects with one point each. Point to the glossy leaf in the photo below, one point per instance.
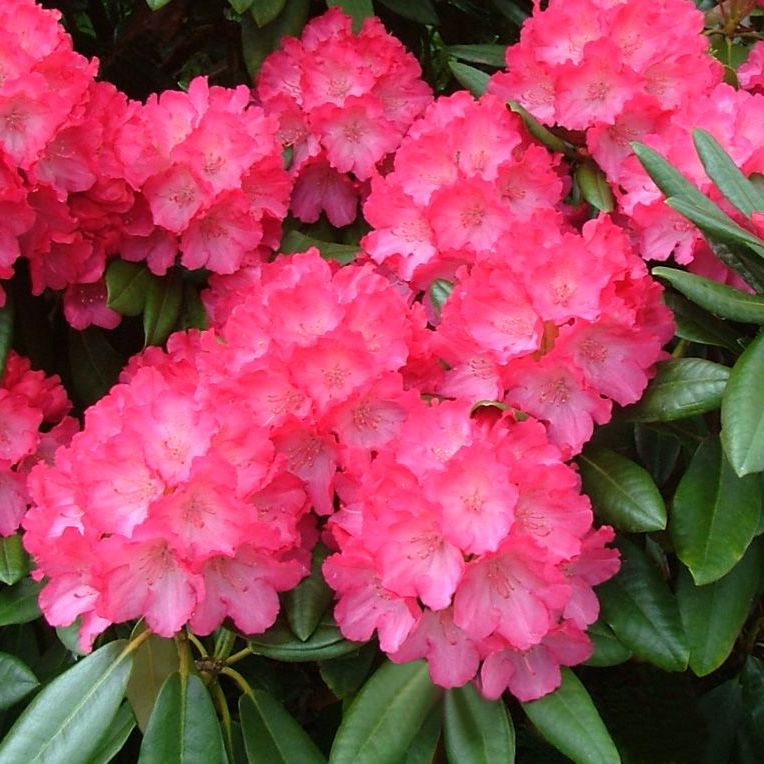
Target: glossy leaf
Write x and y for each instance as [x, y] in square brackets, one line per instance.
[425, 743]
[608, 651]
[265, 11]
[306, 604]
[714, 514]
[271, 734]
[295, 241]
[714, 614]
[18, 603]
[343, 676]
[127, 285]
[17, 680]
[658, 451]
[490, 55]
[95, 364]
[643, 613]
[422, 11]
[539, 132]
[67, 720]
[162, 310]
[183, 727]
[358, 10]
[622, 492]
[383, 720]
[477, 731]
[279, 643]
[115, 737]
[743, 411]
[745, 263]
[14, 561]
[594, 186]
[469, 77]
[568, 719]
[681, 388]
[698, 325]
[7, 316]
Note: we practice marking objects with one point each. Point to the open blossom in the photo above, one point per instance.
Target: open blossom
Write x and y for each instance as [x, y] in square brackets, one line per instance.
[467, 555]
[344, 102]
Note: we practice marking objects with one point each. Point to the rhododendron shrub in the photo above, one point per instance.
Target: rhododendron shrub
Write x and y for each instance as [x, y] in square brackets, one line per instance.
[468, 543]
[344, 102]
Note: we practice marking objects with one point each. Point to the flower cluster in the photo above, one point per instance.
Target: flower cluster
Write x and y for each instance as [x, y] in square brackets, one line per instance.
[467, 541]
[344, 102]
[33, 424]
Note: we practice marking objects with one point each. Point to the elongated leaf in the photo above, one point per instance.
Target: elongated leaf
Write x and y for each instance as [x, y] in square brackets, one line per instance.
[608, 651]
[490, 55]
[265, 11]
[306, 604]
[127, 285]
[713, 615]
[271, 735]
[721, 709]
[280, 644]
[643, 613]
[751, 736]
[697, 325]
[162, 310]
[115, 737]
[740, 192]
[511, 10]
[240, 6]
[568, 719]
[539, 132]
[469, 77]
[714, 515]
[743, 411]
[7, 316]
[477, 731]
[594, 186]
[154, 661]
[741, 260]
[422, 11]
[183, 727]
[385, 716]
[623, 493]
[439, 291]
[344, 675]
[425, 743]
[658, 451]
[95, 364]
[67, 720]
[723, 300]
[295, 241]
[681, 388]
[16, 680]
[14, 561]
[18, 603]
[358, 10]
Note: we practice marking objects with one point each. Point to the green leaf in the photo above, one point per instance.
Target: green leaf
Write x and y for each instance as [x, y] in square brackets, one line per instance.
[743, 411]
[127, 285]
[477, 731]
[657, 450]
[306, 604]
[7, 316]
[17, 680]
[714, 515]
[681, 388]
[439, 291]
[271, 735]
[751, 736]
[713, 615]
[697, 325]
[94, 363]
[741, 260]
[608, 651]
[265, 11]
[155, 5]
[643, 613]
[511, 10]
[18, 603]
[295, 241]
[67, 720]
[723, 300]
[358, 10]
[721, 709]
[183, 727]
[241, 6]
[469, 77]
[153, 661]
[163, 301]
[740, 192]
[490, 55]
[280, 644]
[14, 561]
[422, 11]
[622, 492]
[594, 186]
[568, 719]
[425, 743]
[343, 676]
[383, 720]
[115, 737]
[539, 132]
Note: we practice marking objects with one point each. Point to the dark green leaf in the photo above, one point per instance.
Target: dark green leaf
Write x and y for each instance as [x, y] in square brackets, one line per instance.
[127, 285]
[643, 613]
[183, 727]
[751, 737]
[713, 615]
[608, 651]
[295, 241]
[681, 388]
[469, 77]
[477, 731]
[155, 5]
[721, 709]
[490, 55]
[743, 411]
[422, 11]
[740, 192]
[539, 132]
[594, 186]
[18, 603]
[714, 514]
[358, 10]
[280, 644]
[7, 315]
[697, 325]
[343, 676]
[657, 450]
[115, 737]
[241, 6]
[95, 364]
[568, 719]
[425, 743]
[741, 260]
[14, 561]
[511, 10]
[306, 604]
[271, 735]
[69, 636]
[163, 301]
[67, 720]
[193, 314]
[383, 720]
[623, 493]
[265, 11]
[17, 680]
